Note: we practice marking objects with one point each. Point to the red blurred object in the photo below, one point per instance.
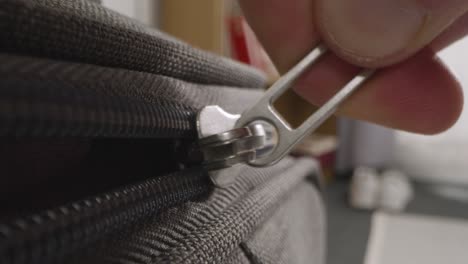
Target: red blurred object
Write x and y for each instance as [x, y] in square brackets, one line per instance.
[246, 48]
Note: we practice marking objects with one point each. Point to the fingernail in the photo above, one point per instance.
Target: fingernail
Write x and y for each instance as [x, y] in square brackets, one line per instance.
[371, 29]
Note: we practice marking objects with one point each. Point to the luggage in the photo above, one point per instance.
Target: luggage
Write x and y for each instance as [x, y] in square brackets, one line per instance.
[98, 150]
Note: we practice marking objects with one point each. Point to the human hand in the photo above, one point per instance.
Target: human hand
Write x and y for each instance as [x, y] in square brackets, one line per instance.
[412, 91]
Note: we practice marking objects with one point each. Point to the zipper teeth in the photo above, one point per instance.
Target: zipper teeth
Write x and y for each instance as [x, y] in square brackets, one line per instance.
[33, 108]
[30, 119]
[55, 233]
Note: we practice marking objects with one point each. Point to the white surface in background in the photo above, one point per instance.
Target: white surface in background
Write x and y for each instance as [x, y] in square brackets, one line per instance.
[410, 239]
[441, 158]
[126, 7]
[146, 11]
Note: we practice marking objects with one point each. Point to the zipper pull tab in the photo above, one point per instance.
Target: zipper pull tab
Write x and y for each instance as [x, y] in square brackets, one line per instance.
[260, 136]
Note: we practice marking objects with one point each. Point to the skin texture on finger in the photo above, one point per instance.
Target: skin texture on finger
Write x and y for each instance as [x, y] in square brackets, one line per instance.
[456, 31]
[285, 28]
[377, 33]
[418, 95]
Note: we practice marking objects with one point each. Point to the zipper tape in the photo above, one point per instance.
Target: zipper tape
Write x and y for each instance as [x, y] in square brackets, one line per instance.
[50, 236]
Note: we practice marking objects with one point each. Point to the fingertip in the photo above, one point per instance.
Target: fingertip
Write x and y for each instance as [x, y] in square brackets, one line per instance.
[419, 95]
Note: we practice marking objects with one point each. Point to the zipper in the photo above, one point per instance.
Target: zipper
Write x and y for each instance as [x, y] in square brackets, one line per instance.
[261, 137]
[85, 101]
[51, 235]
[44, 98]
[38, 107]
[34, 104]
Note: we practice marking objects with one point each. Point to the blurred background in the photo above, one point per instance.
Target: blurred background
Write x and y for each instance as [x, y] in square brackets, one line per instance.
[393, 197]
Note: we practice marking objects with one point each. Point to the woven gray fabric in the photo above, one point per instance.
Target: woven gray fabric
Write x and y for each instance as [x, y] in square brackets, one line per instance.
[146, 87]
[49, 93]
[104, 75]
[294, 234]
[84, 31]
[211, 231]
[238, 257]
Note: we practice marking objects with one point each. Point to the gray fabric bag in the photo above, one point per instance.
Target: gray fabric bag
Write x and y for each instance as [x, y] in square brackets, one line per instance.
[97, 118]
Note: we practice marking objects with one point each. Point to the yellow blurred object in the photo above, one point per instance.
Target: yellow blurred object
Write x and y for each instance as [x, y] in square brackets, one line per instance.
[295, 110]
[200, 23]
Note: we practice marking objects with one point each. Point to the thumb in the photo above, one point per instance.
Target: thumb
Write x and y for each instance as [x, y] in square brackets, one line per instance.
[375, 33]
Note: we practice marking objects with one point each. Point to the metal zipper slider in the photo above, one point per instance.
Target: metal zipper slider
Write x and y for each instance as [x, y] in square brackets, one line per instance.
[224, 146]
[260, 136]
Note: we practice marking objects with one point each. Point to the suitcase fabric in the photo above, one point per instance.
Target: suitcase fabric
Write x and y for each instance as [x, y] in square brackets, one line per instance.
[97, 118]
